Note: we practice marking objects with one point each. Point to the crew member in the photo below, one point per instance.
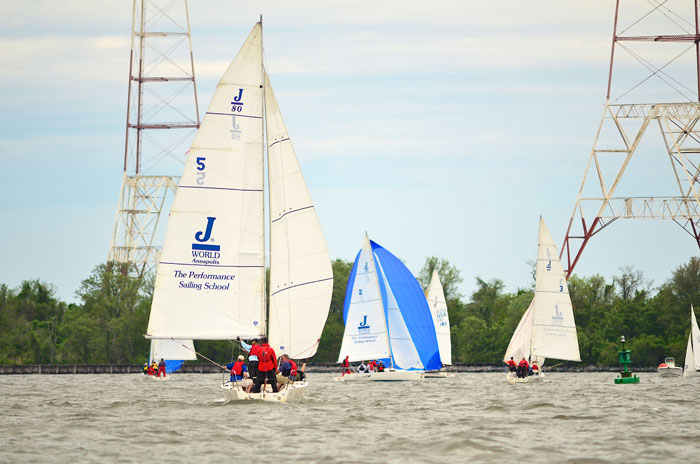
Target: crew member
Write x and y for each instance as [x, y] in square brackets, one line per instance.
[239, 372]
[535, 369]
[371, 366]
[287, 371]
[380, 367]
[267, 365]
[346, 365]
[522, 368]
[362, 368]
[511, 364]
[161, 367]
[252, 350]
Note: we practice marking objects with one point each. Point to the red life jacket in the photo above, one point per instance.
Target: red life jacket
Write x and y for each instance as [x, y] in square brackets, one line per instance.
[522, 363]
[294, 368]
[511, 363]
[534, 367]
[254, 351]
[346, 362]
[237, 368]
[267, 360]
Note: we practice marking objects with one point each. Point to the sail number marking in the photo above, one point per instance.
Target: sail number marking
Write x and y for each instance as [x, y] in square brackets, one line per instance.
[200, 167]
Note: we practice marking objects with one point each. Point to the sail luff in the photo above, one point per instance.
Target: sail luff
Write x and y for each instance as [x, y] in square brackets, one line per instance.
[213, 259]
[688, 363]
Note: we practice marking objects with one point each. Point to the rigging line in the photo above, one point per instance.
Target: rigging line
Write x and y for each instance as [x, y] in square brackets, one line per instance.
[642, 18]
[201, 355]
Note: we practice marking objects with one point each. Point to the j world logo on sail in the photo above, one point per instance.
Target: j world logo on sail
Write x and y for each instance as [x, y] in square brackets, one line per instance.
[363, 327]
[202, 249]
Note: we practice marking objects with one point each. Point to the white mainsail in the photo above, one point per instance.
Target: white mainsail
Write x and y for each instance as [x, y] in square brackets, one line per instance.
[366, 336]
[211, 276]
[181, 350]
[435, 296]
[301, 277]
[554, 329]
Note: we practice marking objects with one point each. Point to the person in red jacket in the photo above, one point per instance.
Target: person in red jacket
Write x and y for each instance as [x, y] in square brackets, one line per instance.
[511, 364]
[267, 366]
[161, 367]
[523, 367]
[346, 365]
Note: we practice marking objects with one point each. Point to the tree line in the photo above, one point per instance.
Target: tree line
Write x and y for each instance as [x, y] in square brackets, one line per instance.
[108, 322]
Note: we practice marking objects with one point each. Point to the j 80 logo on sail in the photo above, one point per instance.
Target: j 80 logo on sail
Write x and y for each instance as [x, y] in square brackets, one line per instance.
[237, 104]
[203, 250]
[363, 328]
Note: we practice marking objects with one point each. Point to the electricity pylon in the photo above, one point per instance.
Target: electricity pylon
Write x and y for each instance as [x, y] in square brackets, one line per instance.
[161, 118]
[619, 134]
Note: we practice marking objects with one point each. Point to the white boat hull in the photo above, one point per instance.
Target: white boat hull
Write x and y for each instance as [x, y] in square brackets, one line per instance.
[512, 377]
[156, 378]
[438, 375]
[670, 371]
[290, 393]
[691, 373]
[386, 376]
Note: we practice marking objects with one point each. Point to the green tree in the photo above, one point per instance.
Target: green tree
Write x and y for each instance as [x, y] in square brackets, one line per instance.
[450, 277]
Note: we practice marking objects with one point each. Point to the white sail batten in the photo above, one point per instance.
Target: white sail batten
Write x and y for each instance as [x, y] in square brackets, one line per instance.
[554, 329]
[438, 308]
[403, 350]
[181, 350]
[211, 275]
[301, 277]
[365, 335]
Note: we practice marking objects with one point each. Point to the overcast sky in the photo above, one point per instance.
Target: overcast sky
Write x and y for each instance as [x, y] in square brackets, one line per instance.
[441, 128]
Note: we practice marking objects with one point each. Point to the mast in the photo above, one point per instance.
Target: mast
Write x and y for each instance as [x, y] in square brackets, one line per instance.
[262, 173]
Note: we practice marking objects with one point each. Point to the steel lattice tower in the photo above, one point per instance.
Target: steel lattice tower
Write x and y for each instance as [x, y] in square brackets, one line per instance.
[620, 132]
[161, 119]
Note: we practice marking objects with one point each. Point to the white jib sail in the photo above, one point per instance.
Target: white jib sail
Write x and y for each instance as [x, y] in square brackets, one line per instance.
[689, 357]
[519, 346]
[211, 274]
[182, 350]
[365, 335]
[301, 277]
[554, 329]
[403, 350]
[438, 308]
[695, 333]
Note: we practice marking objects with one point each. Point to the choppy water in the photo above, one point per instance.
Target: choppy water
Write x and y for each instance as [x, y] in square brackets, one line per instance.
[577, 418]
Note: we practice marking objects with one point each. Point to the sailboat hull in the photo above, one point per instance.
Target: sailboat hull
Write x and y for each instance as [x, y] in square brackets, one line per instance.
[386, 376]
[691, 373]
[438, 375]
[512, 377]
[290, 393]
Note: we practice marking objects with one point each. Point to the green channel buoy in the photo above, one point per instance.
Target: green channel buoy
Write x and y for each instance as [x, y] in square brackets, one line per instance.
[625, 375]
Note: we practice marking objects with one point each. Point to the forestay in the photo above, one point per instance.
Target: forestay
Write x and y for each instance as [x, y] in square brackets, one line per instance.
[365, 335]
[435, 297]
[554, 329]
[211, 274]
[301, 277]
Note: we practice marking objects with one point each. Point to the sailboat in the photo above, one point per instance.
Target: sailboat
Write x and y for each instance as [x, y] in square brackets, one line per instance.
[692, 352]
[210, 280]
[547, 329]
[173, 352]
[387, 318]
[435, 296]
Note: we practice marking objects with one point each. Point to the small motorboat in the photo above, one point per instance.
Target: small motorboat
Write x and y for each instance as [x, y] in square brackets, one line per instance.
[668, 368]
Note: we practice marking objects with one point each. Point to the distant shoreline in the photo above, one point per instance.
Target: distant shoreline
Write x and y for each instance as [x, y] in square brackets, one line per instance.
[62, 369]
